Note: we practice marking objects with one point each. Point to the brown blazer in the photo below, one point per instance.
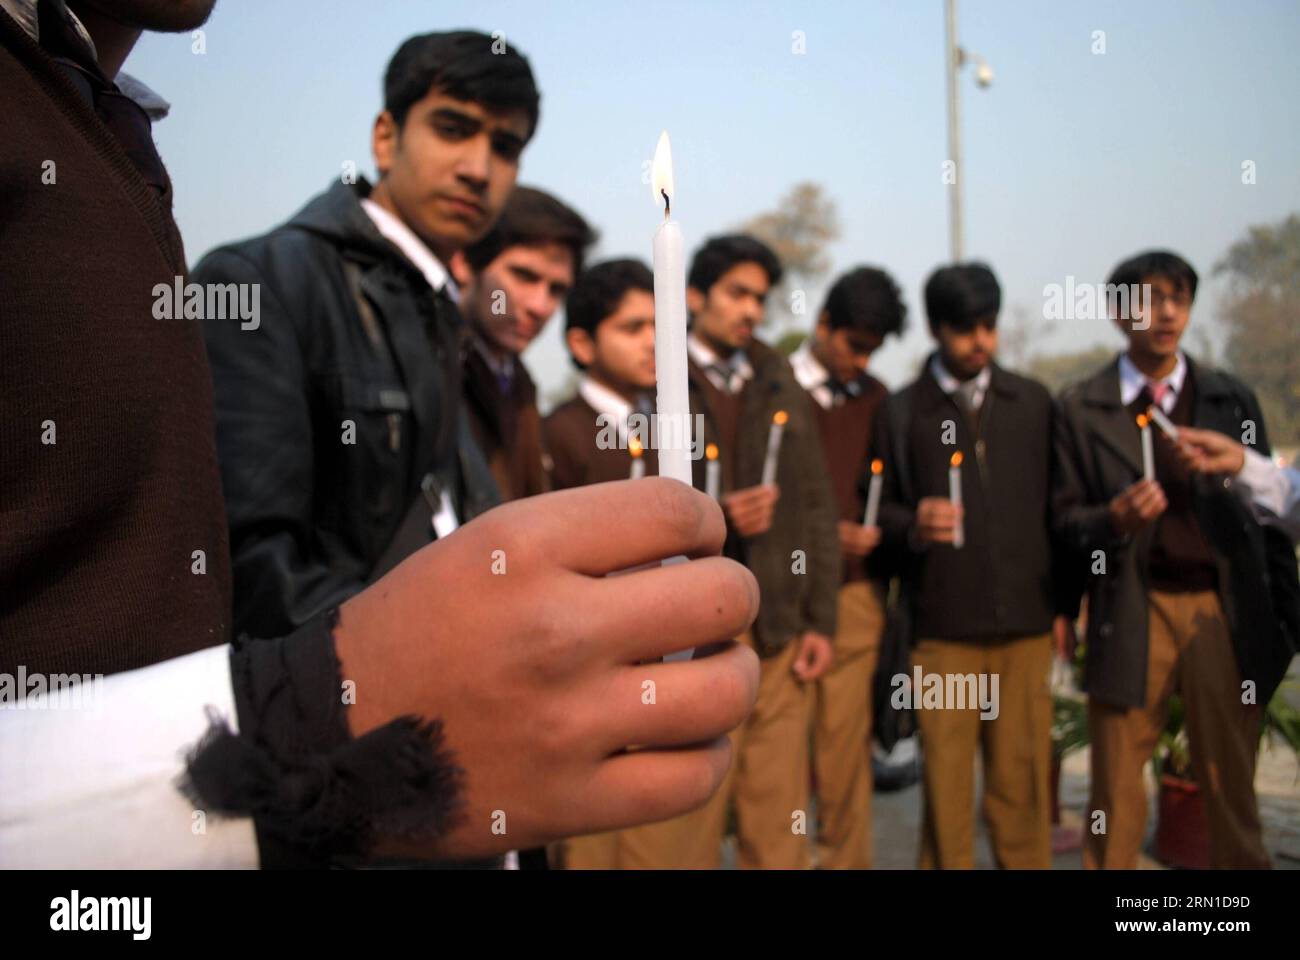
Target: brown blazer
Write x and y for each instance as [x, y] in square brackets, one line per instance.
[805, 517]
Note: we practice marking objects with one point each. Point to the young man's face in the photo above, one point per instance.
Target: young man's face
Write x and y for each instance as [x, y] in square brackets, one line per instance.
[622, 353]
[728, 313]
[450, 168]
[845, 352]
[966, 353]
[510, 299]
[1164, 317]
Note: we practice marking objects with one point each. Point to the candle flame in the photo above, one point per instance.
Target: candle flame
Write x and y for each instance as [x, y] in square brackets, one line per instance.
[711, 451]
[634, 447]
[780, 417]
[956, 459]
[1143, 420]
[662, 175]
[877, 467]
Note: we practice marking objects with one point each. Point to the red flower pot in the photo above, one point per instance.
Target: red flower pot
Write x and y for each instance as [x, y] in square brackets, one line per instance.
[1182, 831]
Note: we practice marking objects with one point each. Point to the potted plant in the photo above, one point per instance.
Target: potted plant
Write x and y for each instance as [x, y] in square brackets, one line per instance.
[1069, 733]
[1182, 830]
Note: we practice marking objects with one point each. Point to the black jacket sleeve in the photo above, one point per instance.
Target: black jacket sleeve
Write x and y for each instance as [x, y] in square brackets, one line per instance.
[265, 440]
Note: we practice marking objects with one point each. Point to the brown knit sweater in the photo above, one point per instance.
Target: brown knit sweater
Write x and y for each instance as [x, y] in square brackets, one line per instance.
[108, 476]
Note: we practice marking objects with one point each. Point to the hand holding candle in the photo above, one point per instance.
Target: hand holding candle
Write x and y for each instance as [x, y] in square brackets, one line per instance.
[774, 446]
[954, 496]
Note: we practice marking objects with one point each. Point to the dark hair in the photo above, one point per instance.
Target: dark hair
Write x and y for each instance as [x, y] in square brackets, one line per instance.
[531, 218]
[961, 295]
[1156, 263]
[600, 290]
[720, 254]
[462, 65]
[866, 299]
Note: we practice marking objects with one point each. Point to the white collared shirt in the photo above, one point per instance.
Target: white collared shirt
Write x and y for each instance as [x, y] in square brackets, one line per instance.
[950, 384]
[812, 376]
[1132, 380]
[413, 248]
[609, 404]
[707, 359]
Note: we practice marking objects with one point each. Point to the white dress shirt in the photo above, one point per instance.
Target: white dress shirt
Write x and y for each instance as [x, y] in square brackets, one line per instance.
[950, 384]
[739, 369]
[1132, 380]
[412, 247]
[609, 404]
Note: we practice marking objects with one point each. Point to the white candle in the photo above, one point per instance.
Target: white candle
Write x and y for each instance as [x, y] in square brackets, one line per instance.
[1148, 450]
[774, 446]
[1162, 421]
[672, 402]
[954, 494]
[712, 471]
[638, 464]
[672, 405]
[873, 493]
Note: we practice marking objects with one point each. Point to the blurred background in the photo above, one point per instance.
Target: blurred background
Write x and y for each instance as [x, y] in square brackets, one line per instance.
[1108, 127]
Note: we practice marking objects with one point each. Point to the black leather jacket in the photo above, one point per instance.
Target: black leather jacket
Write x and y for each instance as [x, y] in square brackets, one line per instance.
[338, 411]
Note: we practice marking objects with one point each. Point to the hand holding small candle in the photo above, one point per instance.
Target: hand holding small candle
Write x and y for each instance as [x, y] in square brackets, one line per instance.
[954, 496]
[774, 446]
[712, 471]
[638, 462]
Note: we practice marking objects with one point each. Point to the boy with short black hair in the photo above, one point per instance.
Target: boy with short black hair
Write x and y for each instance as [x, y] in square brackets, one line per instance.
[979, 576]
[862, 308]
[610, 333]
[1186, 591]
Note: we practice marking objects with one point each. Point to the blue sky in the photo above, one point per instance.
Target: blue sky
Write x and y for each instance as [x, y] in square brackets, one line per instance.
[1072, 159]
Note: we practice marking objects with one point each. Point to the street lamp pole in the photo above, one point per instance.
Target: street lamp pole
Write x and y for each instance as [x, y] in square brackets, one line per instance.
[954, 60]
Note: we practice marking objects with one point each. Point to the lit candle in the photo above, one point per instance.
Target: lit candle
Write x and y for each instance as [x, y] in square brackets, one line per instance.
[638, 465]
[1148, 450]
[954, 494]
[873, 493]
[774, 446]
[672, 404]
[712, 471]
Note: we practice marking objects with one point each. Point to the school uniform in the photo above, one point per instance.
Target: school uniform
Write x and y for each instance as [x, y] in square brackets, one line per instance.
[796, 563]
[1202, 602]
[985, 609]
[845, 416]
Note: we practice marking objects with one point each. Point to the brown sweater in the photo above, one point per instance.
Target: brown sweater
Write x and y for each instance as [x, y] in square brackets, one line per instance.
[100, 526]
[845, 432]
[570, 437]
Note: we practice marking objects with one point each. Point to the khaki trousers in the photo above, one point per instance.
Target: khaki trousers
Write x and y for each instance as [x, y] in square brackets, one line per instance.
[842, 731]
[767, 784]
[1189, 650]
[1016, 749]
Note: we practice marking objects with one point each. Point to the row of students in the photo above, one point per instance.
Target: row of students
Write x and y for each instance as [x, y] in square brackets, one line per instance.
[1193, 594]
